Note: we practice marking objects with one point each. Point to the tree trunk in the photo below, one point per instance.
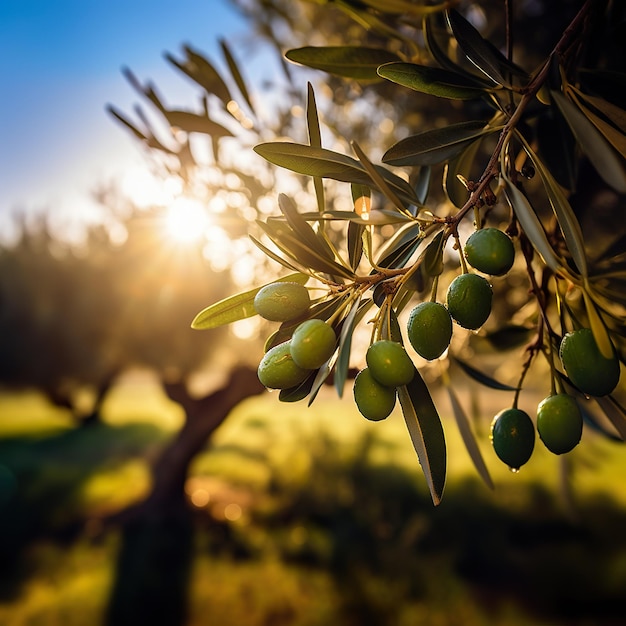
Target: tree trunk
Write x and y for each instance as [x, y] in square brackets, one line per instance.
[202, 418]
[155, 556]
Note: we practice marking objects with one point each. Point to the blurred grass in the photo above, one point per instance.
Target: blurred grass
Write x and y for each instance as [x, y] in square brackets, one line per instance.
[310, 516]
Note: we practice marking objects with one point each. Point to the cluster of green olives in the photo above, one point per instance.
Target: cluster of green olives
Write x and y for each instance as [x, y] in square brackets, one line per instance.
[559, 419]
[388, 367]
[469, 296]
[312, 343]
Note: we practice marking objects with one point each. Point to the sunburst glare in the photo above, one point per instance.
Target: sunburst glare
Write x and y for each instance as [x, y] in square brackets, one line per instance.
[186, 220]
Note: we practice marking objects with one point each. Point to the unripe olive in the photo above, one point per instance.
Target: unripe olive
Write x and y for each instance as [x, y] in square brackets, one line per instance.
[313, 343]
[559, 423]
[277, 369]
[490, 251]
[429, 329]
[374, 401]
[389, 363]
[469, 300]
[586, 367]
[282, 301]
[513, 437]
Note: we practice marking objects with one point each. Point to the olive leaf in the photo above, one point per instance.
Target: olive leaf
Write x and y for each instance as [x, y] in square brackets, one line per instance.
[400, 248]
[532, 227]
[345, 346]
[615, 136]
[432, 80]
[196, 67]
[615, 412]
[568, 222]
[303, 229]
[481, 377]
[422, 184]
[456, 171]
[426, 432]
[557, 147]
[237, 307]
[431, 147]
[236, 74]
[468, 437]
[436, 51]
[289, 243]
[377, 179]
[312, 161]
[315, 140]
[432, 262]
[594, 145]
[600, 333]
[488, 59]
[358, 62]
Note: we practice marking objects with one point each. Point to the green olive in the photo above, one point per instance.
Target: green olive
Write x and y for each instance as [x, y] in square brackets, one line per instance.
[585, 365]
[277, 369]
[469, 300]
[490, 251]
[313, 343]
[429, 329]
[282, 301]
[389, 363]
[559, 423]
[513, 437]
[374, 401]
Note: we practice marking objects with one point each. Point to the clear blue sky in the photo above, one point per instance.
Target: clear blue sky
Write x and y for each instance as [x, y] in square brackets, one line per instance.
[60, 63]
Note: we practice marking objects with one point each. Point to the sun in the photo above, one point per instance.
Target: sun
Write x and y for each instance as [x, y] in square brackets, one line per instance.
[186, 220]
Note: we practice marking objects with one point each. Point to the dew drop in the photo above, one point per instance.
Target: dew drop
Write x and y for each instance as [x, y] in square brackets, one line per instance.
[514, 470]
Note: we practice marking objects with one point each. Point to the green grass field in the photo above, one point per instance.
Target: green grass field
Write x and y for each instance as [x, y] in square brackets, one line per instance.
[309, 516]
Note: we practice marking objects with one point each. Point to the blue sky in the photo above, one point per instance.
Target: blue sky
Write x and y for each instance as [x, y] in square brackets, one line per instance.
[60, 65]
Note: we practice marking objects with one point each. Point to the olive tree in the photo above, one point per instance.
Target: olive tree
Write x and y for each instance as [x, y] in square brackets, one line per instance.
[476, 224]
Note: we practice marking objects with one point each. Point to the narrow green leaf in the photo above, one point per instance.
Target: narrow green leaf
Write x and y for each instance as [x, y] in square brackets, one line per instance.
[237, 307]
[400, 248]
[432, 263]
[612, 112]
[479, 51]
[378, 180]
[461, 165]
[345, 346]
[431, 80]
[303, 229]
[468, 437]
[315, 140]
[481, 377]
[615, 412]
[194, 123]
[568, 222]
[275, 257]
[614, 136]
[436, 50]
[509, 337]
[296, 249]
[422, 185]
[531, 225]
[358, 62]
[426, 432]
[236, 74]
[594, 145]
[312, 161]
[557, 147]
[203, 73]
[431, 147]
[355, 244]
[600, 333]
